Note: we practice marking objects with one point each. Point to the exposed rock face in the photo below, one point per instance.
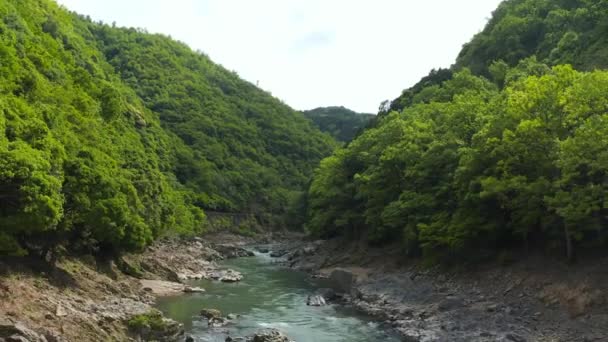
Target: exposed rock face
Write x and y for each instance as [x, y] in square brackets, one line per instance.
[17, 331]
[231, 251]
[342, 280]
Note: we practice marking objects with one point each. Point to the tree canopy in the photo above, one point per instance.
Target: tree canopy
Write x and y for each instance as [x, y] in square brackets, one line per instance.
[112, 137]
[506, 148]
[342, 123]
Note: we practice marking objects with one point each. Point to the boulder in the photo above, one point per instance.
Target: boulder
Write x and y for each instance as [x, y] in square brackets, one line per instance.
[191, 289]
[278, 254]
[269, 336]
[309, 250]
[342, 280]
[231, 251]
[211, 313]
[226, 276]
[328, 294]
[217, 322]
[316, 300]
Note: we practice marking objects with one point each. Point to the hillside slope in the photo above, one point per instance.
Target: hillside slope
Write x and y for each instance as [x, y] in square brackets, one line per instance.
[470, 166]
[112, 137]
[342, 123]
[551, 32]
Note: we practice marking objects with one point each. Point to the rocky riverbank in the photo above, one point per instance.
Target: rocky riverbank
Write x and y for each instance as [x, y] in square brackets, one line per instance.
[84, 299]
[87, 299]
[534, 299]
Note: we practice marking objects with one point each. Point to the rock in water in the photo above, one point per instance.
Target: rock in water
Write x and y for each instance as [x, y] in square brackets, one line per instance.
[226, 276]
[189, 289]
[263, 250]
[316, 300]
[217, 322]
[211, 313]
[278, 254]
[231, 251]
[269, 336]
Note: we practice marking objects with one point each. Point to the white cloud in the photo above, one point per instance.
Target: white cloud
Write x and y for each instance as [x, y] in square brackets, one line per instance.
[312, 53]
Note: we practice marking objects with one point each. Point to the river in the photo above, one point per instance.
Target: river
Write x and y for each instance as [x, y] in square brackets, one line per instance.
[269, 296]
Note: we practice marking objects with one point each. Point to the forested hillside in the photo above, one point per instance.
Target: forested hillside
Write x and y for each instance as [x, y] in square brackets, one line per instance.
[342, 123]
[112, 137]
[505, 149]
[555, 32]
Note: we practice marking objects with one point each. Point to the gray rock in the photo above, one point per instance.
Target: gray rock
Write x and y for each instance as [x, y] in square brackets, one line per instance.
[269, 336]
[217, 322]
[226, 276]
[449, 304]
[211, 313]
[316, 300]
[263, 250]
[231, 251]
[514, 338]
[278, 254]
[342, 280]
[17, 331]
[190, 289]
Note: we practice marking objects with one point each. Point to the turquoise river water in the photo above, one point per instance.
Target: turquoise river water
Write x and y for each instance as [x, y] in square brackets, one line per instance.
[270, 296]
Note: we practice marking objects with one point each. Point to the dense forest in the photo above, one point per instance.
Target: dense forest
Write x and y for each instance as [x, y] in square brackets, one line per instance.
[506, 149]
[342, 123]
[112, 137]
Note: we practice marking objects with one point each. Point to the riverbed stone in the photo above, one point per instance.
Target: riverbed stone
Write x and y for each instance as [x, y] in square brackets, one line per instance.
[269, 336]
[211, 313]
[316, 300]
[231, 251]
[217, 322]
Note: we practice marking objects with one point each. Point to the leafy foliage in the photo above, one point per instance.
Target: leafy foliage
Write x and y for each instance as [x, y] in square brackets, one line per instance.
[342, 123]
[110, 138]
[557, 32]
[476, 167]
[505, 147]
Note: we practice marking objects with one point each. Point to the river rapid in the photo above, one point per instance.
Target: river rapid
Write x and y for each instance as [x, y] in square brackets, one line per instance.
[270, 296]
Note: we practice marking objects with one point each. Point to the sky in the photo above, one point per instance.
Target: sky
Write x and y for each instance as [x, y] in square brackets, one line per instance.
[312, 53]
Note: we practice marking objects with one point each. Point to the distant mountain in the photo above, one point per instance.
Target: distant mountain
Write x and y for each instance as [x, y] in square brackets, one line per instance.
[342, 123]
